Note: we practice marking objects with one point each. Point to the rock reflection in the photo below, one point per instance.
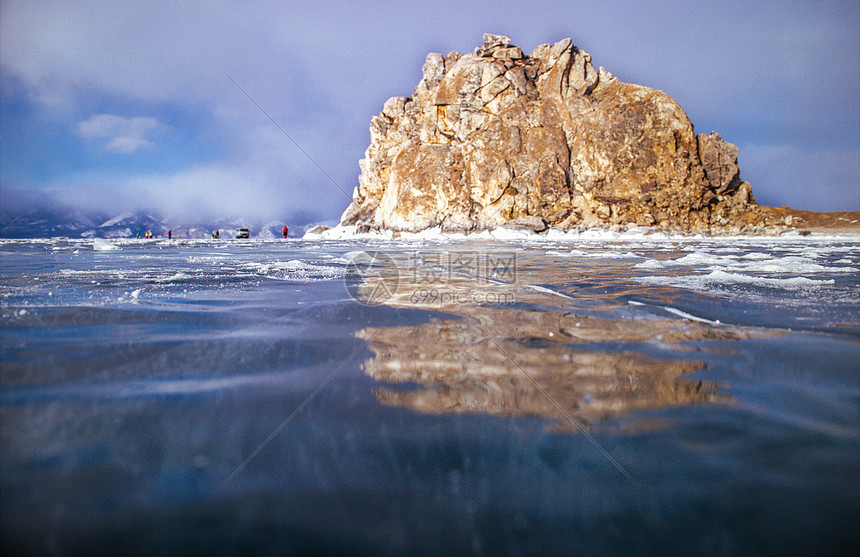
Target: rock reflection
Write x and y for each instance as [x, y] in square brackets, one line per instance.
[531, 361]
[509, 362]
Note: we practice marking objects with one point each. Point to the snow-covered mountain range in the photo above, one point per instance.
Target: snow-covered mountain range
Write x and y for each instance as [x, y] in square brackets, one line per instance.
[47, 223]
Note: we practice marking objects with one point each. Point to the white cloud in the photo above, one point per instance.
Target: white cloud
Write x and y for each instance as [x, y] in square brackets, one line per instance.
[127, 144]
[126, 135]
[258, 189]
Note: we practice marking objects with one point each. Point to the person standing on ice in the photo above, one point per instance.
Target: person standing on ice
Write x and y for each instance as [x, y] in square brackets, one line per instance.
[170, 234]
[286, 231]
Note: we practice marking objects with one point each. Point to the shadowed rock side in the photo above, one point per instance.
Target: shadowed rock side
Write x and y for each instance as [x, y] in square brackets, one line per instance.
[499, 138]
[511, 362]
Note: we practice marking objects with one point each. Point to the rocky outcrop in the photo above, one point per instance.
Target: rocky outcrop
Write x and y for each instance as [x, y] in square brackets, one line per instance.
[497, 138]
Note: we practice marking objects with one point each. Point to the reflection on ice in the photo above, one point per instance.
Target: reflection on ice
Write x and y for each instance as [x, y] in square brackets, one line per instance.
[509, 362]
[529, 359]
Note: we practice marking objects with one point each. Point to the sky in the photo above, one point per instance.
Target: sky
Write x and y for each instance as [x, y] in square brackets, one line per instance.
[261, 109]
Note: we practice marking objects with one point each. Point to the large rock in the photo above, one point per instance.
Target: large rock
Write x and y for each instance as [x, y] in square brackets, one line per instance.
[495, 137]
[720, 162]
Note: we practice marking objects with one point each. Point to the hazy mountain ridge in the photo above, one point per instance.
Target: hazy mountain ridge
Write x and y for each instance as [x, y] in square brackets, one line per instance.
[52, 222]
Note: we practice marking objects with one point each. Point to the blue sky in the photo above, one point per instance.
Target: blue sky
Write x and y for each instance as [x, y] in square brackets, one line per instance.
[124, 106]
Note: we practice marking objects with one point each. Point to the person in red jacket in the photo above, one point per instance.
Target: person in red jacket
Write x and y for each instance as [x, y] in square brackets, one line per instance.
[286, 231]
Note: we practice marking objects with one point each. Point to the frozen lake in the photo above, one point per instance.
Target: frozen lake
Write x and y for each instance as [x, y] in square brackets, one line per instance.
[417, 396]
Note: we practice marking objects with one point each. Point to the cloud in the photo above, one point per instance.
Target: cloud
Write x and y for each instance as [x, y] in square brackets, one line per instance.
[126, 135]
[258, 189]
[760, 74]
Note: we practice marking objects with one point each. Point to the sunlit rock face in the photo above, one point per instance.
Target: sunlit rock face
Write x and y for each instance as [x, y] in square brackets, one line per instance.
[495, 137]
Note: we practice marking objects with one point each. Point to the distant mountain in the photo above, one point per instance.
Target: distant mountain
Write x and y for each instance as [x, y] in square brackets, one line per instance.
[129, 225]
[53, 222]
[47, 223]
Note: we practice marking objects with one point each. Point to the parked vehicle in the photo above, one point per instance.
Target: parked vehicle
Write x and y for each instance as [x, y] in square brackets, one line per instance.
[243, 233]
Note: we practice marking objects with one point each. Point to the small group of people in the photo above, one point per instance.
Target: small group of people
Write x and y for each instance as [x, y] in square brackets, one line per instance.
[214, 235]
[148, 235]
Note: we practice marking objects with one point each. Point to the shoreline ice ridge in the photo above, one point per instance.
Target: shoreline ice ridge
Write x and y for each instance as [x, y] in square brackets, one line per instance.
[351, 232]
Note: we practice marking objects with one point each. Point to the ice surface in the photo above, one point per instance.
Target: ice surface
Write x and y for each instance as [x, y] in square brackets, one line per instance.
[475, 405]
[720, 278]
[103, 245]
[595, 253]
[351, 232]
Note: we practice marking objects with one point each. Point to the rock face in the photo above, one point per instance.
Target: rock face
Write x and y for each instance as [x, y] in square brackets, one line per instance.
[497, 137]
